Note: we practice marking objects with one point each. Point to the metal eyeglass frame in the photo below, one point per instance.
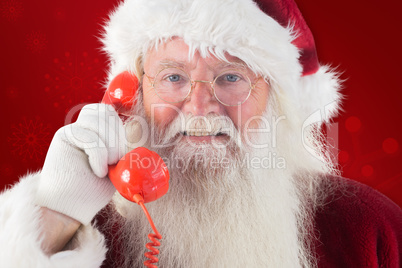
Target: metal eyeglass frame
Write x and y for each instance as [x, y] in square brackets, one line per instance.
[193, 82]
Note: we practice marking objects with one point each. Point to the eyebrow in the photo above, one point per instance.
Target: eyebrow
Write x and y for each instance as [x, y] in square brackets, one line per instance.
[172, 63]
[221, 65]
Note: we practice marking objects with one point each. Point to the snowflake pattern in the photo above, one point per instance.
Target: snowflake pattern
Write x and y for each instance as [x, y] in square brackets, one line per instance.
[36, 42]
[30, 139]
[74, 79]
[11, 10]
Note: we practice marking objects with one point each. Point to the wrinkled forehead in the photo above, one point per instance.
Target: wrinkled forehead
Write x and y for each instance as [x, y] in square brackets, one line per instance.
[175, 52]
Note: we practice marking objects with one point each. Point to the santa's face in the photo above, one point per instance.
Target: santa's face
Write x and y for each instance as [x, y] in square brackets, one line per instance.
[201, 101]
[217, 191]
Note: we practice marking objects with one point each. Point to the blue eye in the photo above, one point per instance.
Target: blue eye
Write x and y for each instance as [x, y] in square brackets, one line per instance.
[173, 78]
[232, 77]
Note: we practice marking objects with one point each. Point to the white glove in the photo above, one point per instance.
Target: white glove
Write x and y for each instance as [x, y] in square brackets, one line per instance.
[73, 179]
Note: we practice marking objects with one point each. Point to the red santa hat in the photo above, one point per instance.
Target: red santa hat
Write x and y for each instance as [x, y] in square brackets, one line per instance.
[270, 36]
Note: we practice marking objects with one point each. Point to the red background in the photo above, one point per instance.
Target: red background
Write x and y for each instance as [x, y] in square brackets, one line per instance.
[50, 61]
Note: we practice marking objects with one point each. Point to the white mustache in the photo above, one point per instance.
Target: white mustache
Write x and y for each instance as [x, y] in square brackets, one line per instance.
[210, 125]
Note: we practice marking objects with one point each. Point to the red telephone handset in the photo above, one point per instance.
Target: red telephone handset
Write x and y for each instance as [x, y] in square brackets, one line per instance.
[120, 92]
[148, 174]
[146, 179]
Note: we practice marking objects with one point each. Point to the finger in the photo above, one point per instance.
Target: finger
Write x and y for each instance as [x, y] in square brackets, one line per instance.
[89, 142]
[104, 120]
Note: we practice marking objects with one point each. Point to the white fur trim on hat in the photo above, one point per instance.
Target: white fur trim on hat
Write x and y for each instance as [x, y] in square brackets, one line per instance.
[214, 27]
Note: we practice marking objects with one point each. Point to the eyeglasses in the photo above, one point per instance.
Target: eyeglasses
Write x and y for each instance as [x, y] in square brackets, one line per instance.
[231, 87]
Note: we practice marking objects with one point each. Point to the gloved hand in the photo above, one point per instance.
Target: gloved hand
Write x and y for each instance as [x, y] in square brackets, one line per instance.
[74, 178]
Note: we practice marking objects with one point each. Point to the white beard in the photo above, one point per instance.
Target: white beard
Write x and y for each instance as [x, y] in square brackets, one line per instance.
[241, 216]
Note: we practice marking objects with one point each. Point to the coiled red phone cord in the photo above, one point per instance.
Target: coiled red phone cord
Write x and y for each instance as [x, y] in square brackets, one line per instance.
[151, 255]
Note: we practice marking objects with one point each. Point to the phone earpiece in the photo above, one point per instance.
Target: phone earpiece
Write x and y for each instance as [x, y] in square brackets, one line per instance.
[140, 171]
[121, 92]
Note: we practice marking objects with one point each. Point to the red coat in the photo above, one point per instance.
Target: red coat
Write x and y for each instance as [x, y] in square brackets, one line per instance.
[357, 227]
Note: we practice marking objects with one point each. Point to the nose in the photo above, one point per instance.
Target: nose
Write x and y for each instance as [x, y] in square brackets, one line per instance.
[201, 100]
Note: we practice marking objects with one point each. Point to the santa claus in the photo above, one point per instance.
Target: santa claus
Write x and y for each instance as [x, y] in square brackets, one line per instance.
[231, 96]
